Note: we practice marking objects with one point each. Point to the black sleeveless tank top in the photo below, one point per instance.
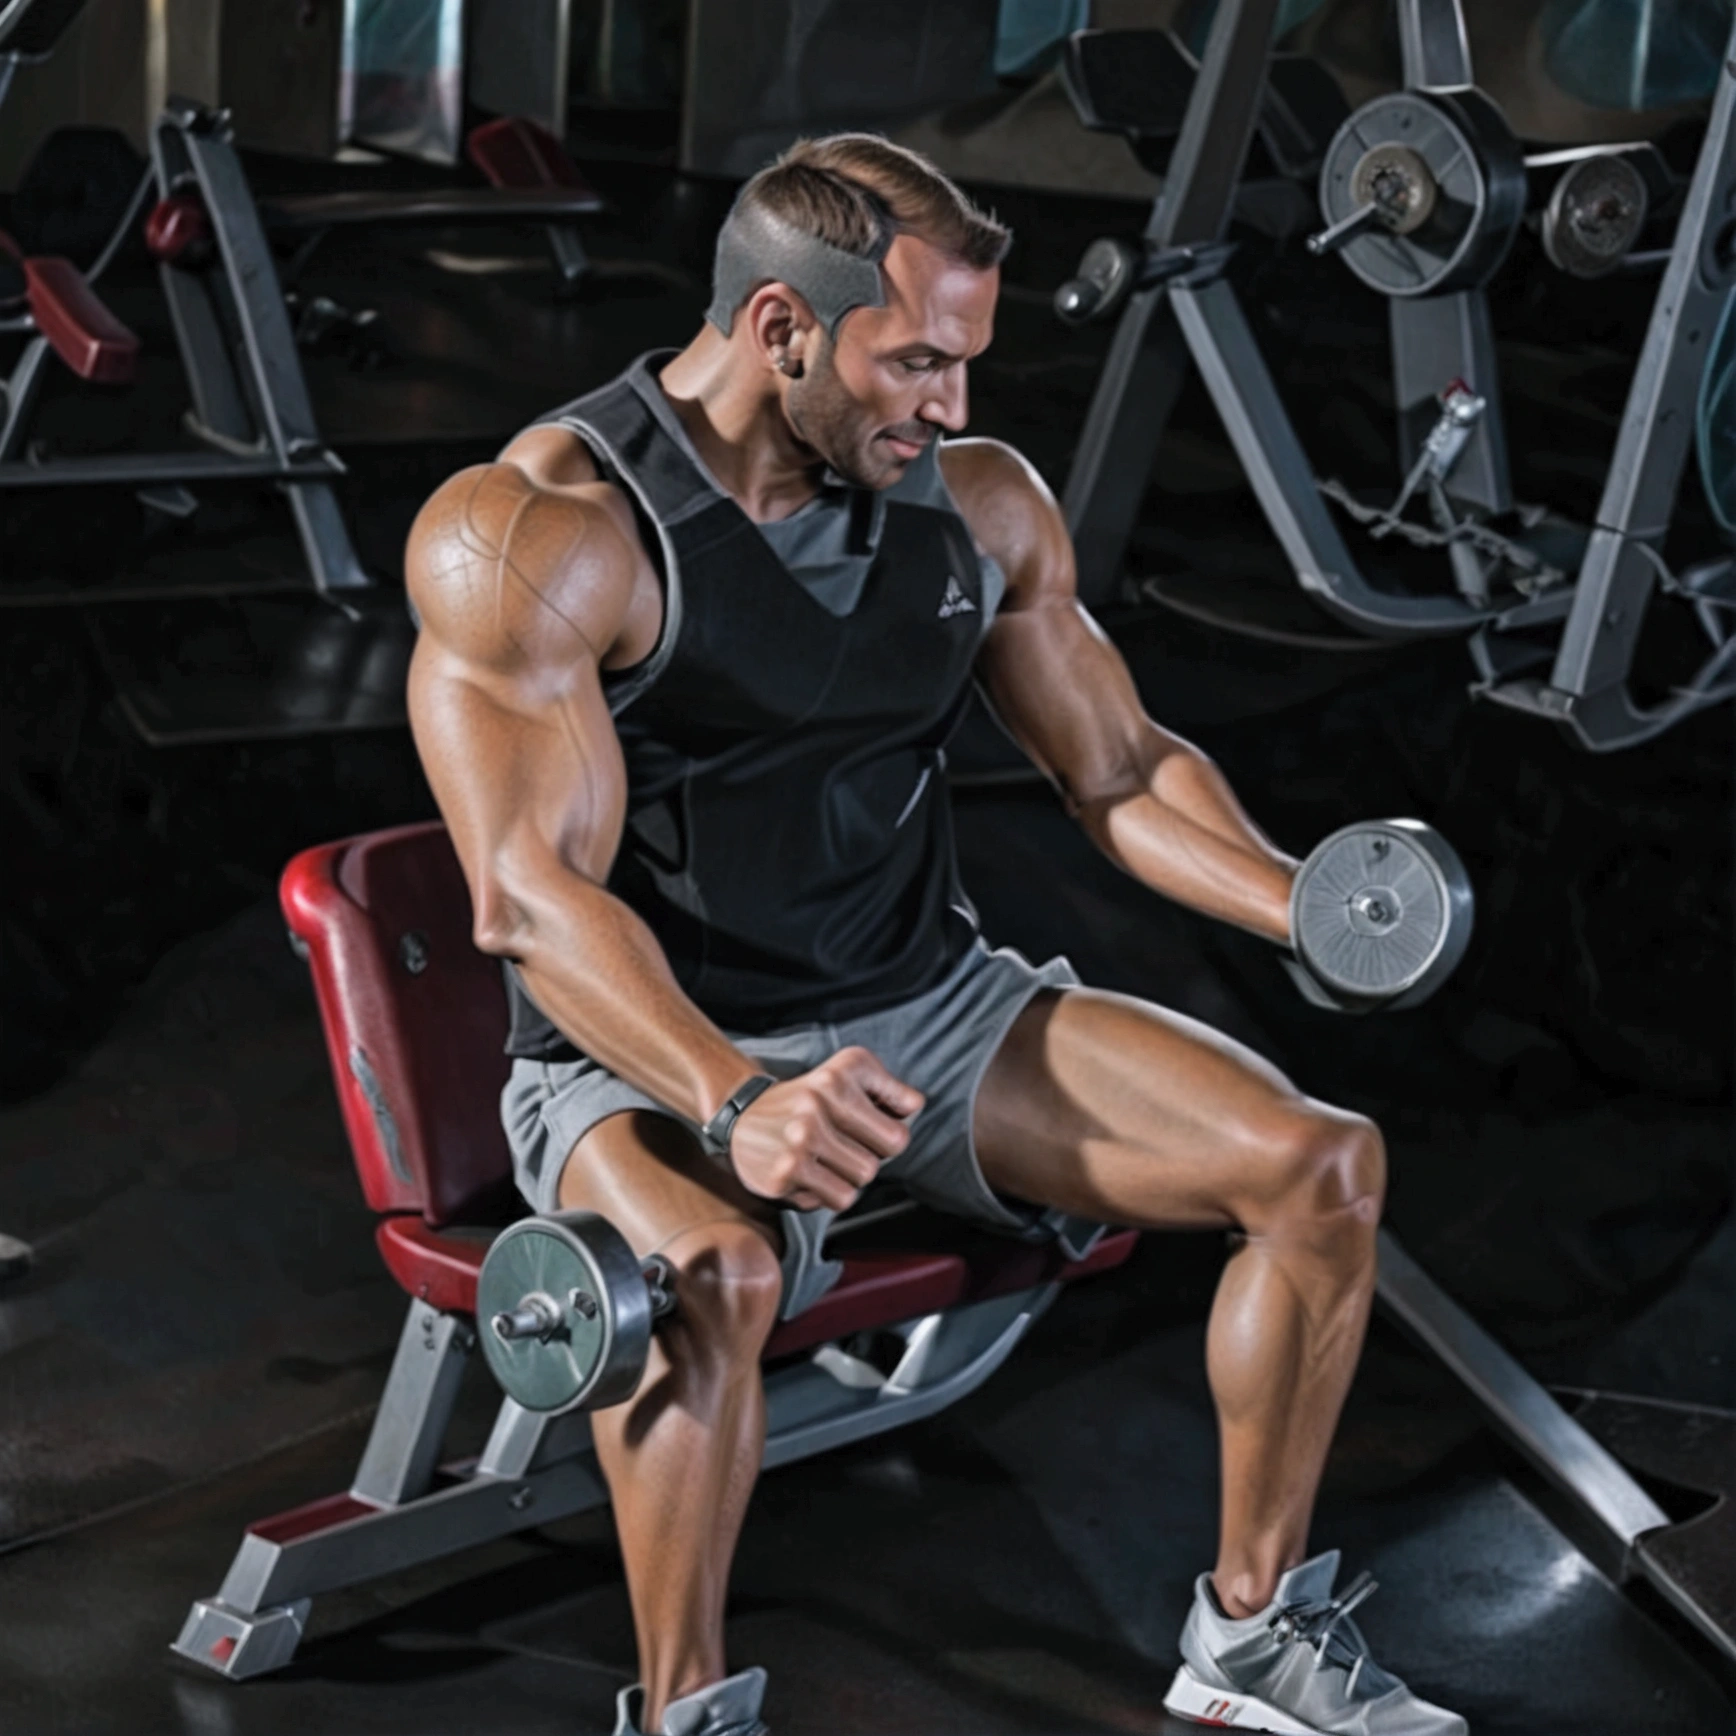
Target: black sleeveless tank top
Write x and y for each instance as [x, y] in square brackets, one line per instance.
[788, 837]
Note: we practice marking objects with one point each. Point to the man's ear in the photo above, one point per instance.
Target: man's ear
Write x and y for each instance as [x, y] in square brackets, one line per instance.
[780, 324]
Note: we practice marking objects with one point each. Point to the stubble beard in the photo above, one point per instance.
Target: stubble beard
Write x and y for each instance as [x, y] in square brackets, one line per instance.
[829, 420]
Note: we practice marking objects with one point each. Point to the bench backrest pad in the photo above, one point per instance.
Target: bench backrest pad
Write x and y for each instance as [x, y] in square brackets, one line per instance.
[415, 1018]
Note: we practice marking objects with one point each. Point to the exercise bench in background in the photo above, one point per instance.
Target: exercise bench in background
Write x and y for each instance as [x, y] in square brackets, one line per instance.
[531, 179]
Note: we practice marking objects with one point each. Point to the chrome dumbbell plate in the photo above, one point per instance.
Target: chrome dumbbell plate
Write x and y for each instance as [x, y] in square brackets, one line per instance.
[1381, 912]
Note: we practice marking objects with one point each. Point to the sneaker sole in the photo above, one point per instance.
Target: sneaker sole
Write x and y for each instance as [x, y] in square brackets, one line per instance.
[1190, 1698]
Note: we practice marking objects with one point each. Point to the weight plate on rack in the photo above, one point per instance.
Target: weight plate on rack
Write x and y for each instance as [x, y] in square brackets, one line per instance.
[1594, 216]
[1454, 177]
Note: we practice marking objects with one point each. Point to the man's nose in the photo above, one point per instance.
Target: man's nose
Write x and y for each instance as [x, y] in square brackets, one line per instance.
[948, 403]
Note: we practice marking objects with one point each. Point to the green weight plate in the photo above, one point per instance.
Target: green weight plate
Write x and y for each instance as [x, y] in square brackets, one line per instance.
[1381, 912]
[575, 1274]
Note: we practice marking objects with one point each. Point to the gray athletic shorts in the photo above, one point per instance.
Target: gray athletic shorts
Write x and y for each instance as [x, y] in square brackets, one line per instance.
[941, 1042]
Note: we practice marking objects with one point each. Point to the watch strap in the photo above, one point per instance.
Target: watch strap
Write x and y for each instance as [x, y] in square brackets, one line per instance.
[715, 1134]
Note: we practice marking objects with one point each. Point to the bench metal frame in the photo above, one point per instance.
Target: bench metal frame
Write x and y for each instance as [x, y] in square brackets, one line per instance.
[404, 1508]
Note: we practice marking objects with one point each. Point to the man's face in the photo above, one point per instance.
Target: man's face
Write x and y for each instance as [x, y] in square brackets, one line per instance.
[895, 378]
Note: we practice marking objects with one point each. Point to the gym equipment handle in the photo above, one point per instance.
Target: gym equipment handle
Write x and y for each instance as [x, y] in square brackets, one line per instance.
[1346, 229]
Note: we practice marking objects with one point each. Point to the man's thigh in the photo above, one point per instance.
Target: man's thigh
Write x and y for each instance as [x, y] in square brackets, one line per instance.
[1116, 1109]
[646, 1174]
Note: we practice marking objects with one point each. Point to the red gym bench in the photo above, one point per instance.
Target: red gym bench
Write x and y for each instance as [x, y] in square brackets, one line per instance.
[415, 1020]
[531, 179]
[70, 318]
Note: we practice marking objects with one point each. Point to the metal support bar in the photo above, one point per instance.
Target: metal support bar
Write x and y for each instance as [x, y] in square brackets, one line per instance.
[948, 1356]
[325, 539]
[1147, 365]
[1235, 373]
[1588, 686]
[410, 1424]
[22, 386]
[267, 1574]
[571, 260]
[1199, 192]
[1433, 46]
[237, 341]
[1136, 393]
[268, 340]
[159, 469]
[1519, 1406]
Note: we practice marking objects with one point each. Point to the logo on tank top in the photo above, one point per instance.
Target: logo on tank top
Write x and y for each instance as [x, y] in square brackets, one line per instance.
[955, 602]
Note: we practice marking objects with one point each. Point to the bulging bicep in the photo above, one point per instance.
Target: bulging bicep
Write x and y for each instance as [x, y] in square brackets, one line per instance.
[531, 785]
[519, 594]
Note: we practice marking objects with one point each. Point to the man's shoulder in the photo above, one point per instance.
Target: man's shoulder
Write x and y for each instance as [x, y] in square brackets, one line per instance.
[979, 463]
[1011, 512]
[529, 558]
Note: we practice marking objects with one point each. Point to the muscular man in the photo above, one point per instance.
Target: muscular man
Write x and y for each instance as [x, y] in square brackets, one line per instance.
[690, 655]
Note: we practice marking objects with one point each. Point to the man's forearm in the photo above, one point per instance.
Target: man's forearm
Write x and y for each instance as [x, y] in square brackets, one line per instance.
[1185, 835]
[596, 970]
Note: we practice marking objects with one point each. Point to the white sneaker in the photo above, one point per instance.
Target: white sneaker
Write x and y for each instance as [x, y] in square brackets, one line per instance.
[1298, 1668]
[727, 1708]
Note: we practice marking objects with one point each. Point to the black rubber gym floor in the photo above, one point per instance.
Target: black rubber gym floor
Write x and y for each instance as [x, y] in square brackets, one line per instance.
[208, 1325]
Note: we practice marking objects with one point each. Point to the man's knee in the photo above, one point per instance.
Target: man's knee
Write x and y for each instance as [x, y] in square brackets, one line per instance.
[728, 1284]
[1330, 1171]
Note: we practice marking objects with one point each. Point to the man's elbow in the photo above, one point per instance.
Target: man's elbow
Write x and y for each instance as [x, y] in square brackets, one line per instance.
[504, 923]
[527, 907]
[1129, 779]
[500, 927]
[1096, 813]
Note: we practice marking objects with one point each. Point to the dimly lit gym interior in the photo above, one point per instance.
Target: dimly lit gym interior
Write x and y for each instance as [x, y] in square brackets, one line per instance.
[1379, 355]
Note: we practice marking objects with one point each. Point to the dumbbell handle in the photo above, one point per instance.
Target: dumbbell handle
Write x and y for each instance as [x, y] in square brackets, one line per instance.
[537, 1316]
[540, 1316]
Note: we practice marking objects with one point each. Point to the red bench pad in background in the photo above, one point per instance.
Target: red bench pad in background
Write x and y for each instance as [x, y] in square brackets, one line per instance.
[877, 1289]
[514, 152]
[78, 324]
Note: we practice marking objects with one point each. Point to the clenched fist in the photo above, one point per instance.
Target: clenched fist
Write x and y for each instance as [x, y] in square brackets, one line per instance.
[820, 1138]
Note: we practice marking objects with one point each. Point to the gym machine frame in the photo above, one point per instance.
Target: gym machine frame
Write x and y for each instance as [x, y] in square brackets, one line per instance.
[1182, 311]
[251, 408]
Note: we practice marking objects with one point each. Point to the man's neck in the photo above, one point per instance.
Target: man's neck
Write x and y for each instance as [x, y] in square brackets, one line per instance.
[736, 422]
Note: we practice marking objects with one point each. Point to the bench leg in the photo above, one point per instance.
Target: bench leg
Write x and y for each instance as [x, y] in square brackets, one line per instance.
[238, 1645]
[571, 259]
[410, 1425]
[238, 1633]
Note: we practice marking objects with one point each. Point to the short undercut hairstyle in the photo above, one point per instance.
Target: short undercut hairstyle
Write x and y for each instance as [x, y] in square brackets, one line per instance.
[850, 194]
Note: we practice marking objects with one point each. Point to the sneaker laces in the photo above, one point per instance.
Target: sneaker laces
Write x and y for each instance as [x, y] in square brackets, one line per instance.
[1326, 1625]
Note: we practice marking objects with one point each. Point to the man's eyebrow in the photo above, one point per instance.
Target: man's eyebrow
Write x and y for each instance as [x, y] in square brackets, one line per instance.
[919, 347]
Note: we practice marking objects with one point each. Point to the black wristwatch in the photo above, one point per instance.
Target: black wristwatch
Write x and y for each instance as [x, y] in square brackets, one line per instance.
[714, 1135]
